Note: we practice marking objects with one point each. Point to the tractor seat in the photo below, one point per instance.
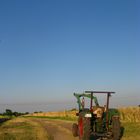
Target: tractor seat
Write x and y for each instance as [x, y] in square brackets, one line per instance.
[98, 111]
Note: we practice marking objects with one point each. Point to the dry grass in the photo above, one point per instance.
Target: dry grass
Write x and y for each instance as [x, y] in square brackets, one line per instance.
[69, 115]
[22, 129]
[127, 114]
[131, 131]
[130, 114]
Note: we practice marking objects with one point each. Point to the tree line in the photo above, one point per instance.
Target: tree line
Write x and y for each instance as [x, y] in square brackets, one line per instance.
[10, 113]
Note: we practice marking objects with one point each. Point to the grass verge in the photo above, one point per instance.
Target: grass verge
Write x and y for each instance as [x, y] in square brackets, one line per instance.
[131, 131]
[21, 129]
[54, 118]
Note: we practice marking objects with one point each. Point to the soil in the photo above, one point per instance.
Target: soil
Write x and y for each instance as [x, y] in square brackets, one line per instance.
[57, 129]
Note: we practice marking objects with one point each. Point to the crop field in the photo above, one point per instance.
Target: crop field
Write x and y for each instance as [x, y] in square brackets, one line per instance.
[57, 126]
[130, 114]
[127, 114]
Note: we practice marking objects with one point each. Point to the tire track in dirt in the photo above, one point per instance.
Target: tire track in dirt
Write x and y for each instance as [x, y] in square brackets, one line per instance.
[57, 129]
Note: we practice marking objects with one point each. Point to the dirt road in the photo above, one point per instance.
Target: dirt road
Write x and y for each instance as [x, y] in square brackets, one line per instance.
[56, 129]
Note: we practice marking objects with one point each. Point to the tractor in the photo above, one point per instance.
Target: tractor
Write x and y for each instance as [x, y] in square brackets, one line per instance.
[96, 122]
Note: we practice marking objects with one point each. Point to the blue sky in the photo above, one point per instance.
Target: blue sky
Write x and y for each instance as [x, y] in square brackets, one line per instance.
[50, 49]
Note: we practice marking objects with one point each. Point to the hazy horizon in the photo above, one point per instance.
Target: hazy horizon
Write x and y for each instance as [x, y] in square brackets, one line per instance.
[115, 102]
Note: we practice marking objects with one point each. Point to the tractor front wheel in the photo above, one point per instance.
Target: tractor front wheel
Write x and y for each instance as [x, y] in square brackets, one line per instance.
[75, 130]
[116, 127]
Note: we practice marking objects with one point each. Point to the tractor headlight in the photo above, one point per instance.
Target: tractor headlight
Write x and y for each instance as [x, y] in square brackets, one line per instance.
[88, 115]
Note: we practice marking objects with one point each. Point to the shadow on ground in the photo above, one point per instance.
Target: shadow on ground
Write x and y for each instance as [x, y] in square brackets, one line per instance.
[122, 132]
[3, 120]
[92, 137]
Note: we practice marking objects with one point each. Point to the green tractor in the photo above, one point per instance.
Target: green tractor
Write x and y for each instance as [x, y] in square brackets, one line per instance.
[96, 122]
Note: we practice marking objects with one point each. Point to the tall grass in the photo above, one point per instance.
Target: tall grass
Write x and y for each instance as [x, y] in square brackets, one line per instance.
[63, 115]
[130, 114]
[127, 114]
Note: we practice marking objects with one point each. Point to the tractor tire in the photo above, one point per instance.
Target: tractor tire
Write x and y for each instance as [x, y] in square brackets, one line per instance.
[116, 129]
[75, 130]
[84, 128]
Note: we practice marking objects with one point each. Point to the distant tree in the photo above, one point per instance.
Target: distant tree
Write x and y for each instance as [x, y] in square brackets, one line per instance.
[26, 113]
[8, 112]
[138, 105]
[36, 112]
[16, 114]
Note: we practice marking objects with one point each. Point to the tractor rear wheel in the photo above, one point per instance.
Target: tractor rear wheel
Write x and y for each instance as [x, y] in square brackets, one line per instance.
[116, 127]
[84, 128]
